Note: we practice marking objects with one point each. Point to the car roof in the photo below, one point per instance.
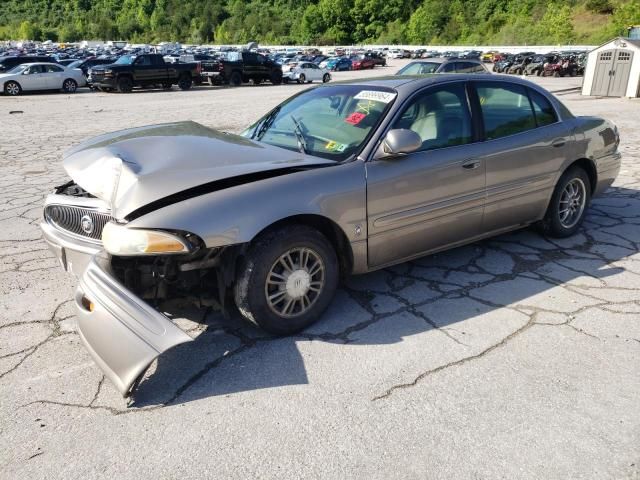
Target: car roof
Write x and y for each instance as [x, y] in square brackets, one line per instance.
[410, 83]
[41, 63]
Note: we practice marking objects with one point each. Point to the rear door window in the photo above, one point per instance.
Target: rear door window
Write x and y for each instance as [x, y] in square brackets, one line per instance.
[506, 109]
[448, 68]
[465, 67]
[52, 69]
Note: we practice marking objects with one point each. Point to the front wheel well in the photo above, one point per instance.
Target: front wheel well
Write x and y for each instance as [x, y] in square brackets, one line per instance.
[328, 228]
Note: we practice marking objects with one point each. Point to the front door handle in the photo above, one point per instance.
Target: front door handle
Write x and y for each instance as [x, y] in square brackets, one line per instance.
[558, 142]
[471, 164]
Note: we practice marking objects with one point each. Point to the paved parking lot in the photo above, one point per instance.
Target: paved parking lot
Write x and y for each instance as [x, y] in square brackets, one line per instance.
[517, 357]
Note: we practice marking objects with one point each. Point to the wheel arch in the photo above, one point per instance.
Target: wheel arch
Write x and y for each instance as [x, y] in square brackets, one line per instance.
[330, 229]
[10, 81]
[589, 167]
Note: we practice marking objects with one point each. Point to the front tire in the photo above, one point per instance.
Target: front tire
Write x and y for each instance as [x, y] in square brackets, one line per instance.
[125, 85]
[235, 79]
[287, 279]
[276, 77]
[12, 88]
[568, 205]
[302, 78]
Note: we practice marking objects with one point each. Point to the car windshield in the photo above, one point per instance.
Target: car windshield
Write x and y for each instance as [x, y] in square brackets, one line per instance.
[125, 60]
[419, 68]
[329, 122]
[18, 69]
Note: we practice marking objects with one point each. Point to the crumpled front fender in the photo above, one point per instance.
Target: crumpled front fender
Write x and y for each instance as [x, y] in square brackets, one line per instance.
[122, 333]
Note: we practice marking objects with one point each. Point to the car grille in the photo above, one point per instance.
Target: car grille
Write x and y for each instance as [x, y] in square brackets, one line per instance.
[85, 222]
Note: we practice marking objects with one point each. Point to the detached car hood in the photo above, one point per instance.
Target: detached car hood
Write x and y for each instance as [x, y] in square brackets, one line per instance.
[132, 168]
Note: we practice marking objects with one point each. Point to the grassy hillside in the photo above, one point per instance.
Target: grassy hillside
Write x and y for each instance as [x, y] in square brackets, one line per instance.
[321, 21]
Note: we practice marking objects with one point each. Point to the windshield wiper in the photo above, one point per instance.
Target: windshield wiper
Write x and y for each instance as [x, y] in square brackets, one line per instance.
[265, 125]
[302, 143]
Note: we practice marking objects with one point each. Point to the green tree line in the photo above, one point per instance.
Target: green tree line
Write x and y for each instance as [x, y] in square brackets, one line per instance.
[322, 22]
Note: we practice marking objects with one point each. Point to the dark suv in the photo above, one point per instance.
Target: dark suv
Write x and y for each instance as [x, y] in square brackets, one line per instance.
[443, 65]
[7, 63]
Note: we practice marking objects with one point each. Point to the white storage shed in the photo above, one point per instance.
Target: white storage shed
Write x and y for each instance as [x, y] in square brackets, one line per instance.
[613, 69]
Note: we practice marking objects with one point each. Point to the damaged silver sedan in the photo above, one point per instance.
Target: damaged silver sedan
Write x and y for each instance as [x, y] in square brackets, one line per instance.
[338, 180]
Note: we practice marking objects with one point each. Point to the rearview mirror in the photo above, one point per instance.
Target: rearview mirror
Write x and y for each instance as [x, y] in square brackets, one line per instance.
[399, 142]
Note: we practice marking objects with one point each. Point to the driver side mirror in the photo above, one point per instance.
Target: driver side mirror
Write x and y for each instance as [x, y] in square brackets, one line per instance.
[398, 142]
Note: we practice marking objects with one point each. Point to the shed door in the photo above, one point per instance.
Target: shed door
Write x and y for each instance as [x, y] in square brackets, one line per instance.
[620, 73]
[602, 75]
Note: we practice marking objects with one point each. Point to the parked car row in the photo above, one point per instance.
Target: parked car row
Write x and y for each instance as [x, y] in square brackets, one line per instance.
[551, 64]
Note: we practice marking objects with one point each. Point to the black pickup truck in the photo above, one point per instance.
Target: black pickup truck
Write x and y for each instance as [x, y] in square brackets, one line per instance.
[142, 71]
[242, 67]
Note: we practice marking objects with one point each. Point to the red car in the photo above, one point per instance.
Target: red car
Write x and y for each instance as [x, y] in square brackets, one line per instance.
[361, 63]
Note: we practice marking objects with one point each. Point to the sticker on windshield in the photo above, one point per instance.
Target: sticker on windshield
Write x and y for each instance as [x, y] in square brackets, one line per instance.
[335, 146]
[355, 118]
[375, 95]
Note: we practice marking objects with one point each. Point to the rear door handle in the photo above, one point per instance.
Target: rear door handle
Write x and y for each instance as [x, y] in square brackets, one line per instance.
[471, 164]
[558, 142]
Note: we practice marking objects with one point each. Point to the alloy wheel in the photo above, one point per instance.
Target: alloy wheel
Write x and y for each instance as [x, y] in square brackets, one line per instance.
[69, 86]
[572, 203]
[12, 88]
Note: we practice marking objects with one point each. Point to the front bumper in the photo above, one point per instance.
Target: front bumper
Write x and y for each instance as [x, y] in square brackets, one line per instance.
[122, 333]
[103, 82]
[73, 254]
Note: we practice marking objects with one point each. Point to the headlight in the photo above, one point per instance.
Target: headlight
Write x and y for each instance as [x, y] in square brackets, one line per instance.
[120, 240]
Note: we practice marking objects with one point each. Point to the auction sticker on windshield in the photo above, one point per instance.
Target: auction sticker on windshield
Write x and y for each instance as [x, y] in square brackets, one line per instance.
[376, 96]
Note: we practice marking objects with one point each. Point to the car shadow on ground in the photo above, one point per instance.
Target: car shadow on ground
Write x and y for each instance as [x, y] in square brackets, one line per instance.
[230, 355]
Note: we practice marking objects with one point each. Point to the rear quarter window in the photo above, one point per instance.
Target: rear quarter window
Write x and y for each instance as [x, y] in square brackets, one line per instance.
[545, 114]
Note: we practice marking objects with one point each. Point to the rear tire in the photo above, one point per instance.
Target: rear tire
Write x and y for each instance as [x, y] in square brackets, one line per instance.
[69, 86]
[185, 82]
[125, 85]
[12, 88]
[568, 205]
[326, 78]
[287, 279]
